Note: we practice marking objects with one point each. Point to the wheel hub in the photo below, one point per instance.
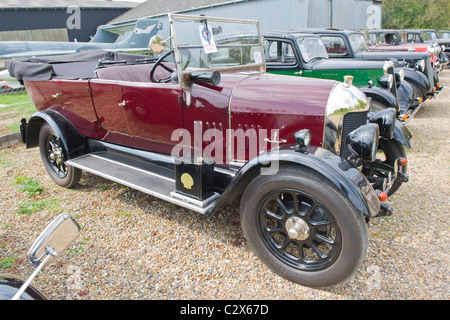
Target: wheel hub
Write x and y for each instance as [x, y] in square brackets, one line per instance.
[56, 154]
[297, 228]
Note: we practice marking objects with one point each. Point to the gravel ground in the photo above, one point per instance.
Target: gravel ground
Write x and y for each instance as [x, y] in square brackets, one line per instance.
[133, 246]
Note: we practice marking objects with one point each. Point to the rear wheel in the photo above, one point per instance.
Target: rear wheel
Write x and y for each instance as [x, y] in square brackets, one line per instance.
[54, 158]
[302, 228]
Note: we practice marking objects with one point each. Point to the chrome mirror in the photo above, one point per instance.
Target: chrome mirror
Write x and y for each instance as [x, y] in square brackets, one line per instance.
[157, 44]
[54, 240]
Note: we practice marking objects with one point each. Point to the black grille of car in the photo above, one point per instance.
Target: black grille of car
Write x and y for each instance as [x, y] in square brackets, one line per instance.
[351, 121]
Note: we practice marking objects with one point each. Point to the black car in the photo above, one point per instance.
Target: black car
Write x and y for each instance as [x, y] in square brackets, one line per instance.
[417, 66]
[411, 38]
[304, 54]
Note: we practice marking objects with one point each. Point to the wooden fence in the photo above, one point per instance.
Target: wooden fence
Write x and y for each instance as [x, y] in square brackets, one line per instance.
[35, 35]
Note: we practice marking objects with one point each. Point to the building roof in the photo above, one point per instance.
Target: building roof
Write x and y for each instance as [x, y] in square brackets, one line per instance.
[152, 8]
[13, 4]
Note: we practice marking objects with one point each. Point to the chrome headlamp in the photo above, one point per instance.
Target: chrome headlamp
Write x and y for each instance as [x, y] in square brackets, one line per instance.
[385, 120]
[363, 142]
[420, 65]
[432, 49]
[386, 81]
[345, 102]
[400, 75]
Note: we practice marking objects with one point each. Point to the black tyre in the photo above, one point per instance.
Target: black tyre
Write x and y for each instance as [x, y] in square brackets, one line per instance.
[388, 152]
[54, 157]
[302, 228]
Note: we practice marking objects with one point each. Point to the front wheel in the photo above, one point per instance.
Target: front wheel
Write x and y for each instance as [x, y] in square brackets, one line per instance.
[54, 158]
[302, 228]
[388, 151]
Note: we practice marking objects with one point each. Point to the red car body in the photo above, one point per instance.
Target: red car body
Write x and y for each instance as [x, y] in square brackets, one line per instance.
[148, 123]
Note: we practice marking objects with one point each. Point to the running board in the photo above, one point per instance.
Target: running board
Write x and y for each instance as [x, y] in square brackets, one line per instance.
[147, 180]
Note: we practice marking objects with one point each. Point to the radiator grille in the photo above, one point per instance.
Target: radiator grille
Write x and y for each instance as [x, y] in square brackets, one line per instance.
[352, 120]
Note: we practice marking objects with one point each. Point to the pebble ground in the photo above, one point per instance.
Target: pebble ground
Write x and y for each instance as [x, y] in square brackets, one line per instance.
[136, 247]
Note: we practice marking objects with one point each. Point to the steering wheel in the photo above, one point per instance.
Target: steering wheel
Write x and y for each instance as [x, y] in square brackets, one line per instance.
[159, 62]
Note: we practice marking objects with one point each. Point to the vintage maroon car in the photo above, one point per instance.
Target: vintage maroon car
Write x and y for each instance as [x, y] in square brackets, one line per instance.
[203, 125]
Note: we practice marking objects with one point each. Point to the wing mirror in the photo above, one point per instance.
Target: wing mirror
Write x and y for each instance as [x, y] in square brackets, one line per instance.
[53, 241]
[157, 44]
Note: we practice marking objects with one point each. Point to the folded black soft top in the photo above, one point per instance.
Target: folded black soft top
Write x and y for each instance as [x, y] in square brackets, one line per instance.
[70, 66]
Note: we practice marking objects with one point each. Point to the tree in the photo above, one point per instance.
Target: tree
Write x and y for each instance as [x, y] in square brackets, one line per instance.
[416, 14]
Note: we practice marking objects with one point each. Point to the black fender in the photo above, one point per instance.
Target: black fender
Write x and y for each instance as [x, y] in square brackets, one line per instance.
[435, 78]
[382, 96]
[73, 141]
[403, 135]
[10, 284]
[406, 96]
[419, 79]
[336, 170]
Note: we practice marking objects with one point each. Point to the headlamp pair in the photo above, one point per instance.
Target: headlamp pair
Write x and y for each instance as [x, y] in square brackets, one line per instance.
[363, 142]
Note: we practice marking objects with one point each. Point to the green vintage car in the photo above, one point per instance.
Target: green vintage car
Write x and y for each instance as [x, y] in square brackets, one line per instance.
[301, 54]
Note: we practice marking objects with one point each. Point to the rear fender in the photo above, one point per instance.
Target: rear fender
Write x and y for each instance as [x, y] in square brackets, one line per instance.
[73, 141]
[339, 173]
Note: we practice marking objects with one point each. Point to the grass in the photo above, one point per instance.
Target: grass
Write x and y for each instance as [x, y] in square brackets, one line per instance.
[30, 185]
[14, 98]
[32, 204]
[14, 107]
[7, 263]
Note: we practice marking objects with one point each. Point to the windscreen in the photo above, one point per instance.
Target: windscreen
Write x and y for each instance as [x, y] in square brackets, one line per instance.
[312, 48]
[214, 43]
[358, 42]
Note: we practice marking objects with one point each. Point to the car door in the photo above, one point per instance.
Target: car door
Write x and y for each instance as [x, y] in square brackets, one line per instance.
[281, 58]
[138, 114]
[152, 112]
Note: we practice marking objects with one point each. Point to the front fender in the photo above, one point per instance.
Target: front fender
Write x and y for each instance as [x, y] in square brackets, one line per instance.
[419, 79]
[73, 141]
[10, 284]
[338, 171]
[406, 96]
[403, 135]
[381, 95]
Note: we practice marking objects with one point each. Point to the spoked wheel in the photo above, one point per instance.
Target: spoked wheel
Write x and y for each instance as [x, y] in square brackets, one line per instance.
[299, 229]
[302, 228]
[388, 151]
[53, 155]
